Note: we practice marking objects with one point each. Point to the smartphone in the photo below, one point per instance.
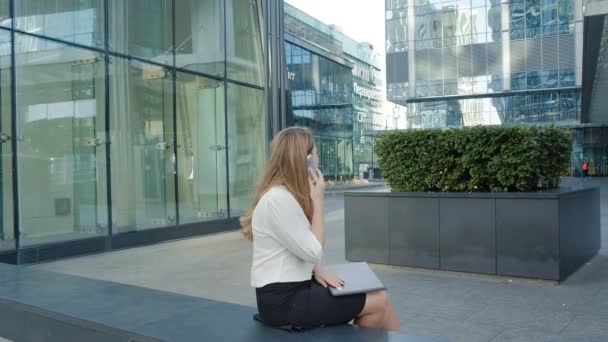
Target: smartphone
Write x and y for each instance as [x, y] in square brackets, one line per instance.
[311, 163]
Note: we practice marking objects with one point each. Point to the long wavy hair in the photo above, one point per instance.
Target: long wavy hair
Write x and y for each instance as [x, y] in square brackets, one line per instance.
[287, 167]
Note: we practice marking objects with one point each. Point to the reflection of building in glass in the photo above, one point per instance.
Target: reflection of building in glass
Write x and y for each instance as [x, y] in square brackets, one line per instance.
[336, 89]
[119, 117]
[321, 99]
[458, 63]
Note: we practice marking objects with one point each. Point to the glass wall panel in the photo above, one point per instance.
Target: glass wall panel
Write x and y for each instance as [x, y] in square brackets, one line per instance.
[329, 158]
[199, 35]
[7, 240]
[549, 17]
[243, 41]
[61, 149]
[565, 12]
[246, 144]
[590, 144]
[142, 152]
[142, 28]
[79, 22]
[348, 161]
[5, 13]
[201, 152]
[545, 108]
[396, 34]
[533, 18]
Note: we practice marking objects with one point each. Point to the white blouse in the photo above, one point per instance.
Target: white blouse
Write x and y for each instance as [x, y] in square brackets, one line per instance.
[284, 247]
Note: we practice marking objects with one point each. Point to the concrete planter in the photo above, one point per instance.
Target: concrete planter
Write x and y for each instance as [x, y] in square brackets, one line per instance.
[545, 235]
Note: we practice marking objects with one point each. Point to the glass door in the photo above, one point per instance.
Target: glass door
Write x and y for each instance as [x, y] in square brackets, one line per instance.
[7, 240]
[89, 150]
[143, 152]
[247, 141]
[201, 133]
[61, 142]
[156, 152]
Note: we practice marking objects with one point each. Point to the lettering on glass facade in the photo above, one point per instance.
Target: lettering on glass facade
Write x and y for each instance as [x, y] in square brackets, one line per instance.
[365, 93]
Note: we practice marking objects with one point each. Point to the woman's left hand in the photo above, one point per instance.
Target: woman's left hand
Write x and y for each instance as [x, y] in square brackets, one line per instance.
[328, 279]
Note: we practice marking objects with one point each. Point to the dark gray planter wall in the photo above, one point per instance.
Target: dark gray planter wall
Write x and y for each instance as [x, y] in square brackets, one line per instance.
[580, 229]
[537, 235]
[527, 238]
[367, 240]
[414, 239]
[467, 235]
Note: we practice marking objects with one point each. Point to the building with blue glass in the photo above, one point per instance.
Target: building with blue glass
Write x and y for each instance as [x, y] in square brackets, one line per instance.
[335, 88]
[458, 63]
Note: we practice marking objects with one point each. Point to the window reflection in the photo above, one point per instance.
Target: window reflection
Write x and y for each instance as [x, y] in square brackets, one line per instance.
[201, 152]
[534, 81]
[246, 156]
[549, 79]
[533, 18]
[5, 14]
[321, 98]
[561, 107]
[199, 35]
[7, 237]
[567, 78]
[549, 17]
[62, 176]
[244, 49]
[396, 35]
[141, 117]
[142, 28]
[565, 12]
[79, 22]
[62, 103]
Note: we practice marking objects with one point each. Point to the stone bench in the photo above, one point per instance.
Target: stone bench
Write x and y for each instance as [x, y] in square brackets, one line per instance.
[38, 305]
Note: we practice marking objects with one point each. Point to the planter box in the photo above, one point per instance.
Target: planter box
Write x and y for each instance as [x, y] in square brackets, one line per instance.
[545, 235]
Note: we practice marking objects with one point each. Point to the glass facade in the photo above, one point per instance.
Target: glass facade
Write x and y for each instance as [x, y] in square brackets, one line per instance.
[457, 63]
[117, 118]
[559, 107]
[461, 49]
[345, 145]
[368, 114]
[367, 101]
[321, 98]
[590, 144]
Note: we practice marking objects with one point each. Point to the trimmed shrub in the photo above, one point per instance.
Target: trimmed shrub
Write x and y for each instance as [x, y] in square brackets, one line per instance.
[476, 159]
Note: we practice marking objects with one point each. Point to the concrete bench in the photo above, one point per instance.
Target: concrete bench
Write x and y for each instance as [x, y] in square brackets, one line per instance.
[38, 305]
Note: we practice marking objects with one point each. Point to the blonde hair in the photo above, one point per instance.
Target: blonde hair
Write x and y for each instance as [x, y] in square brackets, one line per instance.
[287, 167]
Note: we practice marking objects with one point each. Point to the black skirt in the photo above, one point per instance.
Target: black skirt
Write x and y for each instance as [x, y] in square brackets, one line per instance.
[306, 305]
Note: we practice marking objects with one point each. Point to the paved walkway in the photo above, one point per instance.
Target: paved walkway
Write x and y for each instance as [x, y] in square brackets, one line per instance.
[458, 307]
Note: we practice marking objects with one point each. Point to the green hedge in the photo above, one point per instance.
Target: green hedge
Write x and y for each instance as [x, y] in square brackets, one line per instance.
[477, 159]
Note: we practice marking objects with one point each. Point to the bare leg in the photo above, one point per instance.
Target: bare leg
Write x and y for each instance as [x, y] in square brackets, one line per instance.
[378, 313]
[373, 321]
[391, 322]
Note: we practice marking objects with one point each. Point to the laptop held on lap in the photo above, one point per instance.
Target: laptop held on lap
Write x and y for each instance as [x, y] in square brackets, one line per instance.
[358, 278]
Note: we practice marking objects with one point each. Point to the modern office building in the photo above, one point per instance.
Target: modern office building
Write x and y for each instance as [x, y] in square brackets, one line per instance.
[457, 63]
[368, 83]
[127, 122]
[335, 88]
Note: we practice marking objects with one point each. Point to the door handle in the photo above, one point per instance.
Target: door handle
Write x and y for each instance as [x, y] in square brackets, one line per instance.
[166, 146]
[5, 138]
[94, 142]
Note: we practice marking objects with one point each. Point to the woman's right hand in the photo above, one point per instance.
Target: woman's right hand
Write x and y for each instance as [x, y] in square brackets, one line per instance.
[317, 186]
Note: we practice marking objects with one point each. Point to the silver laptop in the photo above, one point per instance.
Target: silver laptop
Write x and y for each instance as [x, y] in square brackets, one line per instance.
[358, 278]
